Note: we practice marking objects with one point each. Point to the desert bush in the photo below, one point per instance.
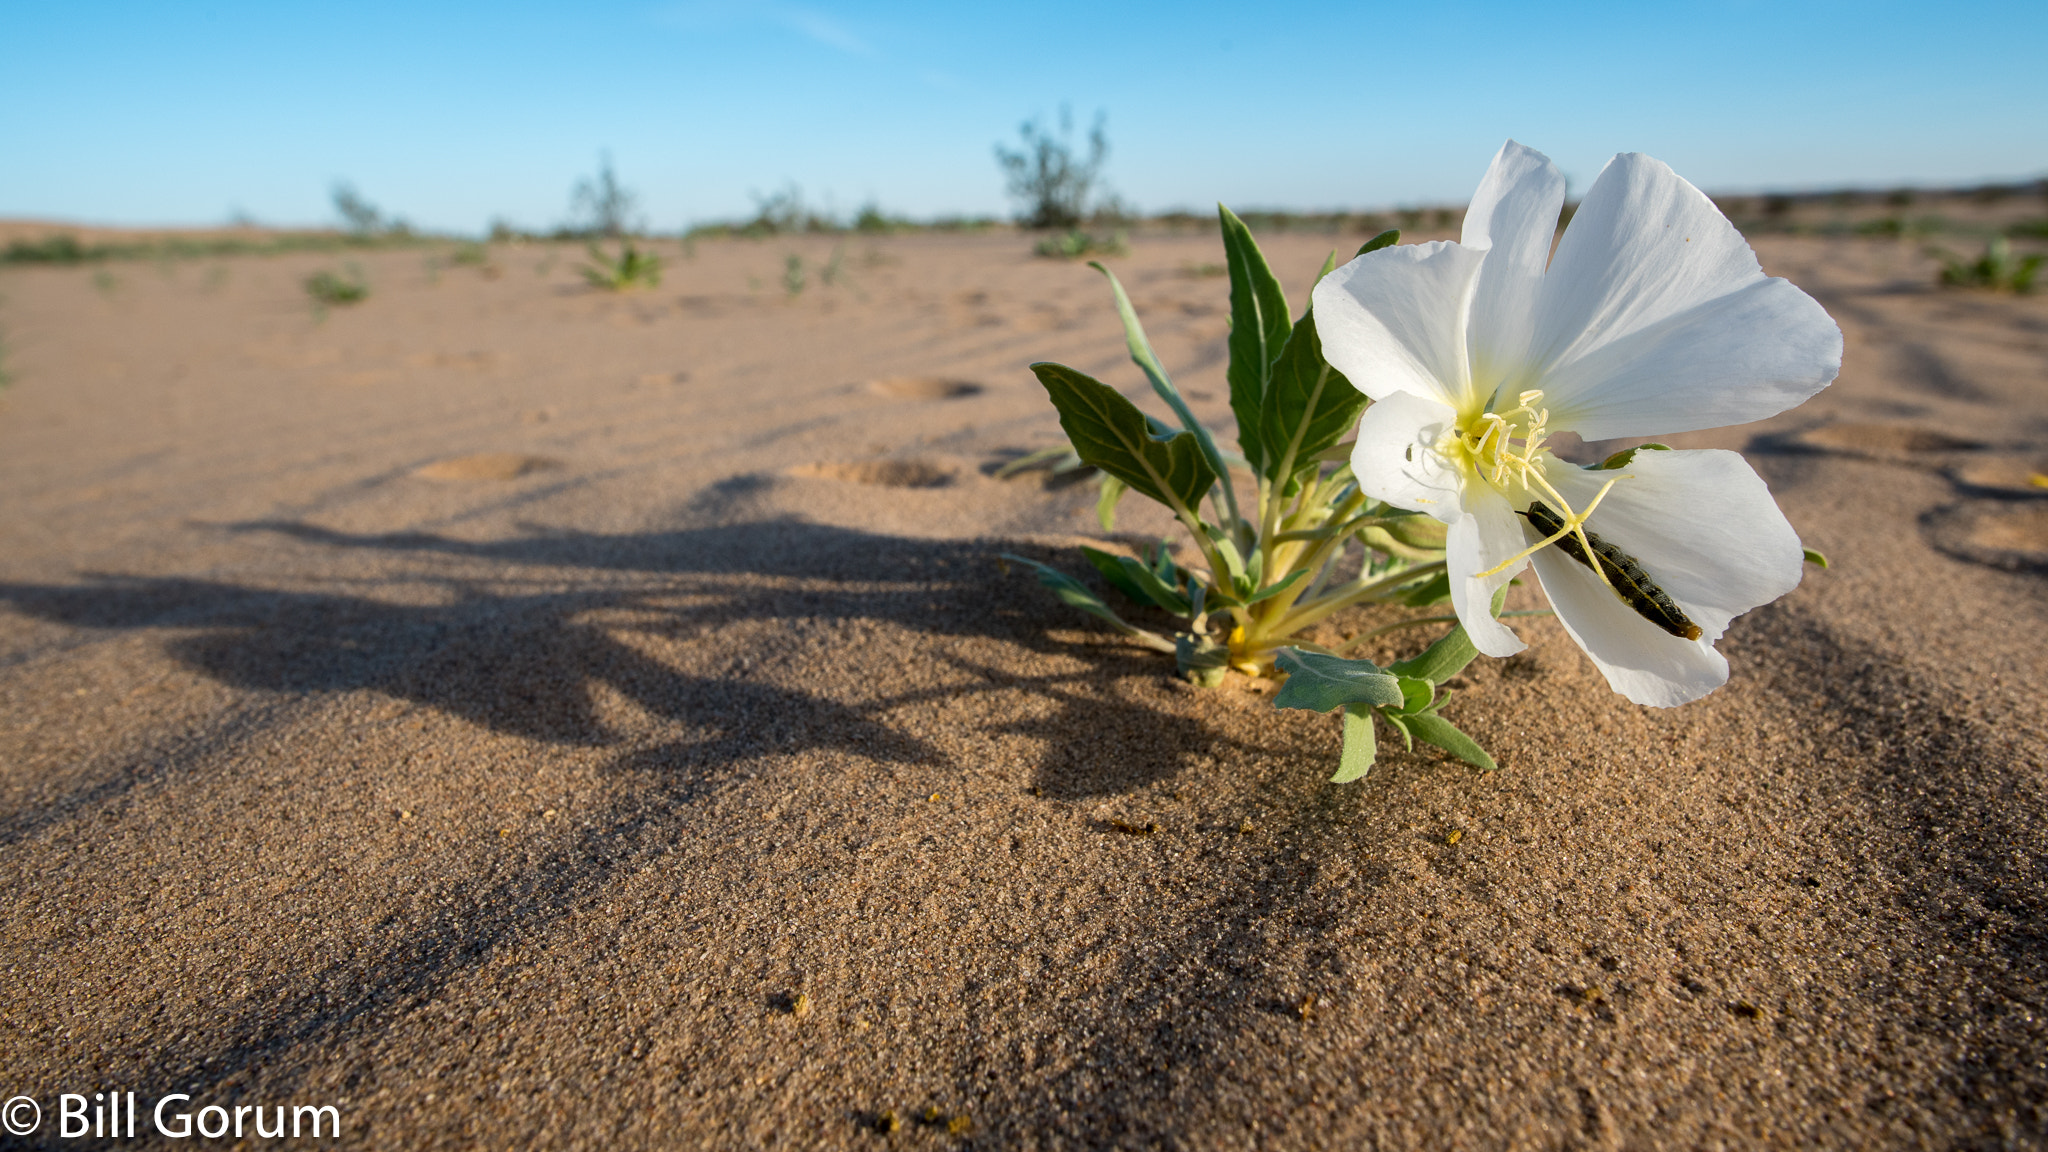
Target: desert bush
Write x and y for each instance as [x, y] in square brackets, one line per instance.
[871, 219]
[1998, 269]
[785, 212]
[1075, 243]
[1049, 177]
[601, 206]
[330, 289]
[361, 219]
[61, 248]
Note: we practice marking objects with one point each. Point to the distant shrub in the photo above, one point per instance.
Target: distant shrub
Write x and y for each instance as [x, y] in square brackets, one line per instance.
[785, 212]
[631, 268]
[1998, 269]
[601, 206]
[871, 219]
[1049, 177]
[1897, 226]
[57, 249]
[1074, 244]
[362, 219]
[2035, 229]
[332, 289]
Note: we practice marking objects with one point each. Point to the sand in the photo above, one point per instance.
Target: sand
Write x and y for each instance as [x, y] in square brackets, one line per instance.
[519, 715]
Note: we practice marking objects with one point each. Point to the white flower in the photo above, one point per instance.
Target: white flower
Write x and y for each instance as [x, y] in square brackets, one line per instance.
[1652, 318]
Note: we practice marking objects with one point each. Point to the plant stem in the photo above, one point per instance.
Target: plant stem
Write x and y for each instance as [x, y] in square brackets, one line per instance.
[1345, 595]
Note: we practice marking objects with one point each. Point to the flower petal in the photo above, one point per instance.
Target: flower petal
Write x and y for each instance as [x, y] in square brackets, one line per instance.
[1703, 526]
[1514, 217]
[1640, 660]
[1487, 534]
[1394, 320]
[1396, 459]
[1654, 316]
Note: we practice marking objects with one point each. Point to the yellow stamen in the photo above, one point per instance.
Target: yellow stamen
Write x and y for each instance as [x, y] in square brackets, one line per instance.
[1572, 527]
[1505, 449]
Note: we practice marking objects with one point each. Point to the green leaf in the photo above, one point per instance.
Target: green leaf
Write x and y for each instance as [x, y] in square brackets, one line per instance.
[1236, 577]
[1075, 594]
[1441, 660]
[1258, 330]
[1113, 490]
[1434, 590]
[1226, 600]
[1449, 655]
[1135, 580]
[1054, 459]
[1620, 459]
[1148, 362]
[1110, 432]
[1111, 567]
[1329, 266]
[1275, 589]
[1359, 749]
[1417, 694]
[1433, 729]
[1201, 661]
[1400, 724]
[1319, 683]
[1815, 558]
[1387, 239]
[1309, 406]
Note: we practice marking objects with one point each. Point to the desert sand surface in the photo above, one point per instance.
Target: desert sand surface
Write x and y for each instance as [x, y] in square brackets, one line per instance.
[520, 715]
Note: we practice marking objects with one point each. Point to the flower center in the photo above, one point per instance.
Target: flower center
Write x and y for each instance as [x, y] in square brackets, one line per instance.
[1506, 448]
[1502, 447]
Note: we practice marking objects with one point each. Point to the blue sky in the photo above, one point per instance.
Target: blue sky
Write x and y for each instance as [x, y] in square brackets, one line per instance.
[456, 113]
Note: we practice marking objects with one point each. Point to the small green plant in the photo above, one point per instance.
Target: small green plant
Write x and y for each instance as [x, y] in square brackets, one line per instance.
[631, 268]
[470, 254]
[333, 290]
[793, 275]
[1998, 269]
[834, 270]
[6, 377]
[1074, 244]
[1270, 572]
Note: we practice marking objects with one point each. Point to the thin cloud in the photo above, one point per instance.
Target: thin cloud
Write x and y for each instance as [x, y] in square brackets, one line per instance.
[811, 23]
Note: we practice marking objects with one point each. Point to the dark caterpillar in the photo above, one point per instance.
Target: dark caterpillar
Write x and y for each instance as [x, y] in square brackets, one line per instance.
[1624, 575]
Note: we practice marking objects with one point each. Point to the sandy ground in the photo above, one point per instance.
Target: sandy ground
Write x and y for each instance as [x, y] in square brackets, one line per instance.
[518, 715]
